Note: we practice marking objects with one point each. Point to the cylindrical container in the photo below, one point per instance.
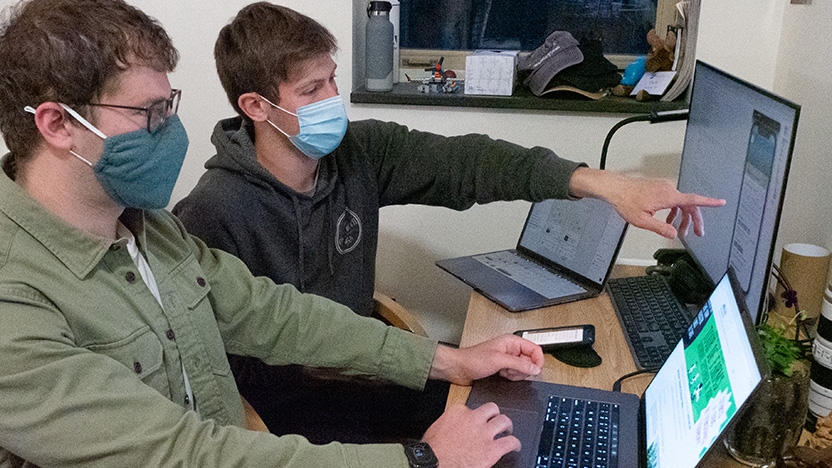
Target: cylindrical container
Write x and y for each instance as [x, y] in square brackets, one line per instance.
[379, 47]
[395, 13]
[806, 267]
[820, 385]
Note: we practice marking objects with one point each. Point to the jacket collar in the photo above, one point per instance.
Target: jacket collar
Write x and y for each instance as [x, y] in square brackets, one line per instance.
[77, 250]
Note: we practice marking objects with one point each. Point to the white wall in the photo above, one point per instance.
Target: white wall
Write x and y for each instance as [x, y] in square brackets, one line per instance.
[804, 74]
[741, 36]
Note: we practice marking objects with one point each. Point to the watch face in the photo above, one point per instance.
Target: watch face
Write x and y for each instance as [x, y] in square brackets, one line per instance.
[420, 455]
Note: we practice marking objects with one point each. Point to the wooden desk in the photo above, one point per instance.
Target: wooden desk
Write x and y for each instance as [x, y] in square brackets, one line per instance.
[486, 320]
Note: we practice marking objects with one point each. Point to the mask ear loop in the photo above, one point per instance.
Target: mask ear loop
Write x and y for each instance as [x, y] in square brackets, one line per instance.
[278, 128]
[83, 121]
[272, 123]
[278, 107]
[77, 117]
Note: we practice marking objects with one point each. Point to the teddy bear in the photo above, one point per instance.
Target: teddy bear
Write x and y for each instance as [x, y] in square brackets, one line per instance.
[659, 58]
[662, 52]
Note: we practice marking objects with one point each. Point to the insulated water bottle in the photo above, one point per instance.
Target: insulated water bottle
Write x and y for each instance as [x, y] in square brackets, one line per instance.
[379, 47]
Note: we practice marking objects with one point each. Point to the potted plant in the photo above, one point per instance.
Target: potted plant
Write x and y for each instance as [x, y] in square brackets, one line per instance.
[774, 420]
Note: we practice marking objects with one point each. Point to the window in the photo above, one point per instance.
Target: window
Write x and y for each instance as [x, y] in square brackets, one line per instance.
[429, 28]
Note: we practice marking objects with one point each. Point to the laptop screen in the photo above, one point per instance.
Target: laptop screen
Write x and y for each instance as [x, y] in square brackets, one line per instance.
[568, 232]
[706, 379]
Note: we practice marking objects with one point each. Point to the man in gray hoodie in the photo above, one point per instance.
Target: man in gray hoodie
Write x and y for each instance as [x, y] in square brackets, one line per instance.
[295, 191]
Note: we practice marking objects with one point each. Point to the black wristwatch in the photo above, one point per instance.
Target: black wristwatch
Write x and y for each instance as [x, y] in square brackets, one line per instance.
[420, 455]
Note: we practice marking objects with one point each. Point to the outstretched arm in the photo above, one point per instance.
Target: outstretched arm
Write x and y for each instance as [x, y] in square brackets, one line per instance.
[638, 199]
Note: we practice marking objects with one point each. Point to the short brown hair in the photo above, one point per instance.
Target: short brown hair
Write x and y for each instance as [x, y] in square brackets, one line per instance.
[69, 51]
[258, 49]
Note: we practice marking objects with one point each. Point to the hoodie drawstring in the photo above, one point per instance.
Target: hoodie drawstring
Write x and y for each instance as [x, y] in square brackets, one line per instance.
[301, 275]
[329, 228]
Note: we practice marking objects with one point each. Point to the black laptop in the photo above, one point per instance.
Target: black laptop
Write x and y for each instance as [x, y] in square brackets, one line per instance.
[565, 252]
[697, 393]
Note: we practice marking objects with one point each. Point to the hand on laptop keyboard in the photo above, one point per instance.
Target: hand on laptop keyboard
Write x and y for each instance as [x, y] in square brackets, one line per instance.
[466, 438]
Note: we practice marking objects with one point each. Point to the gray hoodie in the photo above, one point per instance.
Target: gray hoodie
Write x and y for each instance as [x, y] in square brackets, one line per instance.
[326, 243]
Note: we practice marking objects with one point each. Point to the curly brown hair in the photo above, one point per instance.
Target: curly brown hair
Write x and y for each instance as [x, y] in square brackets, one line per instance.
[69, 51]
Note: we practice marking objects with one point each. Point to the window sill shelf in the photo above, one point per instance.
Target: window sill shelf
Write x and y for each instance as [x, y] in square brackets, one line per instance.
[407, 94]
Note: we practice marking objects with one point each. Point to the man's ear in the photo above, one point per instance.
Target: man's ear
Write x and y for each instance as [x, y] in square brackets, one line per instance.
[55, 125]
[254, 106]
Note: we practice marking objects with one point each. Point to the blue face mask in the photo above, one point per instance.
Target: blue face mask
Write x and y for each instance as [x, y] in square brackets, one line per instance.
[139, 169]
[322, 126]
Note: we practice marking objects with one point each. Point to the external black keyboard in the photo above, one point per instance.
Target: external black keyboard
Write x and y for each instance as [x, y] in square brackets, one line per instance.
[579, 433]
[652, 317]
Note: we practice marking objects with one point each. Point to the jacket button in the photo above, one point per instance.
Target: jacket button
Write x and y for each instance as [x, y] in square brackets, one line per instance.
[130, 276]
[171, 336]
[137, 366]
[201, 282]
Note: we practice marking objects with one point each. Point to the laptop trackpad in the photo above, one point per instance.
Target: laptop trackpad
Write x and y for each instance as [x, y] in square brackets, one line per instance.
[526, 428]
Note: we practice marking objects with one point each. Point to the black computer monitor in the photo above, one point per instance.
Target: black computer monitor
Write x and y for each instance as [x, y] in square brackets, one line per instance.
[738, 146]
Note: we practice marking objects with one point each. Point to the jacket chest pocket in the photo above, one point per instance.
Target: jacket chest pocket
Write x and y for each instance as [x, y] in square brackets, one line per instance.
[194, 289]
[142, 353]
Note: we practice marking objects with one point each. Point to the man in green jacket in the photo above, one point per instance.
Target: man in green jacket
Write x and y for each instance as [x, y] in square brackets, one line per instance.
[115, 323]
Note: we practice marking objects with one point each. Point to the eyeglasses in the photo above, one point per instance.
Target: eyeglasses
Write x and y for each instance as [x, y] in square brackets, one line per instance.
[157, 113]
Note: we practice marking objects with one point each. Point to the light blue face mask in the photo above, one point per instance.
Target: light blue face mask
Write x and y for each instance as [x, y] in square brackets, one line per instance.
[139, 169]
[322, 126]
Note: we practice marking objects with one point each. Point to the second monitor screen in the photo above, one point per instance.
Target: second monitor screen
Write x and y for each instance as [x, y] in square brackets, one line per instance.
[738, 145]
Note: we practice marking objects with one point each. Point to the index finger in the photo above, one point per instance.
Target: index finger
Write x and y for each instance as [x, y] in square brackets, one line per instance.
[692, 199]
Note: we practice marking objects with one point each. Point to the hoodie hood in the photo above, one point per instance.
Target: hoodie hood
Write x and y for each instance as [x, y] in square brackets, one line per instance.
[233, 139]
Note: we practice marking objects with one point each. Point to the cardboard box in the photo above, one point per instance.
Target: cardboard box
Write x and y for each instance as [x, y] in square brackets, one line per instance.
[491, 72]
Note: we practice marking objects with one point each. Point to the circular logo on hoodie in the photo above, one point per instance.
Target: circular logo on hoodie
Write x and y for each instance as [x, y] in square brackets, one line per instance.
[347, 231]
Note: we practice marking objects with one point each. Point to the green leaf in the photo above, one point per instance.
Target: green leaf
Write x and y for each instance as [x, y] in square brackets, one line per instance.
[780, 351]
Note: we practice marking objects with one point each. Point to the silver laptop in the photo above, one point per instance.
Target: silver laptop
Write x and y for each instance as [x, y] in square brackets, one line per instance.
[702, 387]
[565, 252]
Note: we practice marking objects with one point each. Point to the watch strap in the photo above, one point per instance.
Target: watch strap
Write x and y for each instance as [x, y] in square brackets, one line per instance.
[420, 455]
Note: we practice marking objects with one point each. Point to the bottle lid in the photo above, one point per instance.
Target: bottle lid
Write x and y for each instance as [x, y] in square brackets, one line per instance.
[379, 7]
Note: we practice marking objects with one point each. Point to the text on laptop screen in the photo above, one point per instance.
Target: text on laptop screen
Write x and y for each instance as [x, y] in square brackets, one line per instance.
[738, 146]
[555, 232]
[702, 385]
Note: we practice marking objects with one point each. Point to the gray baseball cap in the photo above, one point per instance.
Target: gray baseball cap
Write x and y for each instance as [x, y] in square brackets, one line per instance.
[559, 51]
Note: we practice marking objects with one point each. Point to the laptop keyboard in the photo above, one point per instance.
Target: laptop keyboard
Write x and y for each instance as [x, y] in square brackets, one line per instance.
[579, 433]
[652, 317]
[529, 274]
